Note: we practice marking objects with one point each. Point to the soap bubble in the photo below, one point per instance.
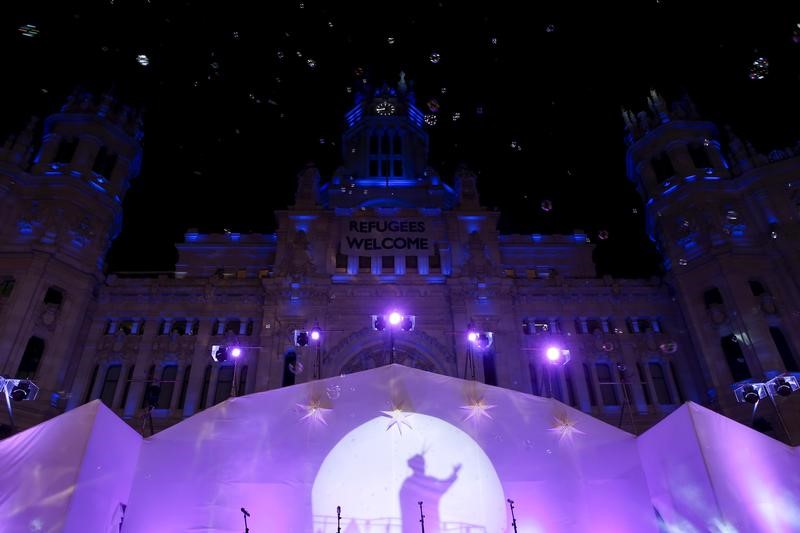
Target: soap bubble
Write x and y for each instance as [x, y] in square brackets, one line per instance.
[143, 60]
[602, 235]
[435, 57]
[333, 391]
[759, 69]
[431, 119]
[550, 28]
[546, 206]
[390, 40]
[683, 262]
[668, 347]
[296, 368]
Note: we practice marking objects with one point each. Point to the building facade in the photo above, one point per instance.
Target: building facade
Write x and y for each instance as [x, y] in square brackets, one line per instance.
[385, 232]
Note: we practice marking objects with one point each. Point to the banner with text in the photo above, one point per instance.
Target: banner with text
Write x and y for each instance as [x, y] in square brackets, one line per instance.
[386, 237]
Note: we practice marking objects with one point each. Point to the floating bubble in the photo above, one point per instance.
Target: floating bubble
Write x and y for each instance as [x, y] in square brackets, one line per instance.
[444, 90]
[435, 57]
[546, 206]
[358, 71]
[431, 119]
[301, 5]
[731, 215]
[311, 63]
[479, 110]
[759, 69]
[390, 40]
[685, 224]
[299, 53]
[322, 140]
[214, 65]
[516, 146]
[348, 89]
[668, 347]
[683, 262]
[236, 35]
[29, 30]
[296, 368]
[550, 28]
[280, 54]
[602, 235]
[433, 105]
[635, 211]
[493, 41]
[143, 60]
[333, 391]
[330, 24]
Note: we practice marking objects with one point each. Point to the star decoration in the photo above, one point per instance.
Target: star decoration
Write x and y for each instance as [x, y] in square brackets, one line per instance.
[478, 409]
[314, 412]
[565, 427]
[398, 417]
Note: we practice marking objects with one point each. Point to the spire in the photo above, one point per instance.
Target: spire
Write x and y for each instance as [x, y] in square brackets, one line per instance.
[307, 196]
[467, 187]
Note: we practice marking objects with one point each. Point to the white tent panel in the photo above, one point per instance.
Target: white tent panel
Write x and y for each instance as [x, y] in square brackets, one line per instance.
[378, 442]
[67, 474]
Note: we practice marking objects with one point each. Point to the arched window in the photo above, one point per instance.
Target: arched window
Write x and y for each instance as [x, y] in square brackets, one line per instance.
[643, 381]
[204, 388]
[54, 297]
[110, 385]
[31, 358]
[373, 144]
[756, 287]
[241, 387]
[435, 260]
[489, 370]
[224, 383]
[784, 350]
[587, 373]
[127, 388]
[662, 166]
[104, 163]
[88, 396]
[233, 326]
[735, 358]
[66, 150]
[386, 144]
[179, 327]
[184, 386]
[608, 388]
[660, 383]
[712, 297]
[699, 154]
[168, 375]
[289, 362]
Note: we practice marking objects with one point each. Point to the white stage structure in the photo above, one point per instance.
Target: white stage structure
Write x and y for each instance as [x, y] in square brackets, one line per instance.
[378, 442]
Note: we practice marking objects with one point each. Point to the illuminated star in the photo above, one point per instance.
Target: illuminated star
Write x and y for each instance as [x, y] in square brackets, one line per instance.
[398, 417]
[314, 412]
[564, 426]
[478, 409]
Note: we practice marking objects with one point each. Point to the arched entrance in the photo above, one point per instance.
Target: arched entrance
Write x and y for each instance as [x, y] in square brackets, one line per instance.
[367, 348]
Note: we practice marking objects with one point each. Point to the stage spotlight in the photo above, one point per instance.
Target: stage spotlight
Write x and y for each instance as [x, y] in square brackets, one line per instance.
[219, 353]
[783, 385]
[378, 322]
[395, 318]
[300, 337]
[553, 354]
[236, 351]
[472, 336]
[316, 333]
[20, 391]
[750, 392]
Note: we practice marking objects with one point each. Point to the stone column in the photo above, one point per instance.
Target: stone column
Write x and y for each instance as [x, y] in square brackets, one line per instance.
[176, 390]
[141, 368]
[98, 382]
[200, 359]
[212, 386]
[123, 381]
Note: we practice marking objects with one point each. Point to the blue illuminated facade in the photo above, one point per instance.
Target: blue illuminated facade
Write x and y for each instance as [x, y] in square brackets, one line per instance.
[385, 231]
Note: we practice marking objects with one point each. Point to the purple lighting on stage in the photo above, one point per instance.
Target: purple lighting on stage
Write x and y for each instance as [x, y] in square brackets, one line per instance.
[395, 318]
[553, 354]
[314, 334]
[236, 352]
[472, 336]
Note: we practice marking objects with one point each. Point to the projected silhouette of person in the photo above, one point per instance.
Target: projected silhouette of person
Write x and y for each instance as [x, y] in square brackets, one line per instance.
[427, 489]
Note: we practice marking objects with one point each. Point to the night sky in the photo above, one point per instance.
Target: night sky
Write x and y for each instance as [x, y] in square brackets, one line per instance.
[238, 96]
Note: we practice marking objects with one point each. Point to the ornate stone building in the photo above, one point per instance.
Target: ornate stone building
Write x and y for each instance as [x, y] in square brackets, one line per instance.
[385, 232]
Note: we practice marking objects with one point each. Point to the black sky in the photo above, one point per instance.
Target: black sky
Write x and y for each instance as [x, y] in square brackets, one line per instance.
[233, 110]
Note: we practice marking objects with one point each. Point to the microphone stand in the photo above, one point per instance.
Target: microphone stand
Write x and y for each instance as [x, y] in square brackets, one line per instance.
[513, 518]
[245, 514]
[338, 519]
[421, 517]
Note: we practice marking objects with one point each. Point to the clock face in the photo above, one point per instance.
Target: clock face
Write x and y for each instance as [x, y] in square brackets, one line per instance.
[384, 108]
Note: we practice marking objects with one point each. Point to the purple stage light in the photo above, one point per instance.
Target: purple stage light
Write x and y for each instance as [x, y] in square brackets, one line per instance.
[314, 334]
[395, 318]
[553, 354]
[236, 352]
[472, 336]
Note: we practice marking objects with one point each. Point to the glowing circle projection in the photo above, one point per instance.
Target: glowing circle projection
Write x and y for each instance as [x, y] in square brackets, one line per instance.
[378, 476]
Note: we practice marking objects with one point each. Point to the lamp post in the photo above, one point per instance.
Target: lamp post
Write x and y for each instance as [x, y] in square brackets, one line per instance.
[393, 319]
[316, 336]
[554, 355]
